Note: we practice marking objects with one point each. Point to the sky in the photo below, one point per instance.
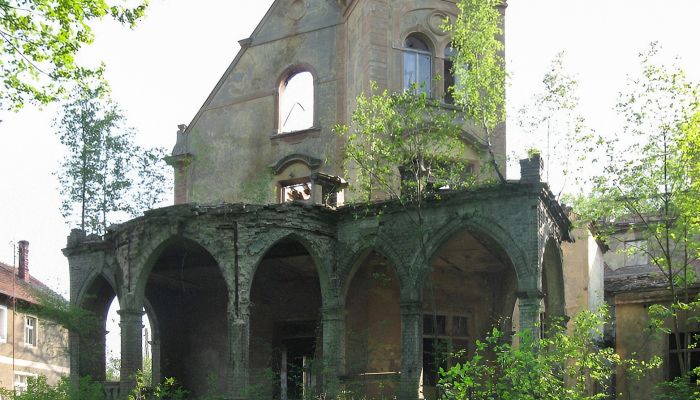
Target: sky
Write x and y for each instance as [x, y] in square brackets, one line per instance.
[162, 71]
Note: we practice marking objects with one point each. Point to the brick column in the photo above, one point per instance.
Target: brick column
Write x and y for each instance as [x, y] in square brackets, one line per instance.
[411, 349]
[239, 348]
[333, 348]
[529, 308]
[131, 324]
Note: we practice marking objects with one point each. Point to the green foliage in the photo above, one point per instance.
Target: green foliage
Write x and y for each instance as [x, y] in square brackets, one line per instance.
[648, 188]
[39, 389]
[680, 388]
[169, 389]
[53, 307]
[39, 40]
[479, 66]
[403, 135]
[558, 366]
[552, 122]
[105, 174]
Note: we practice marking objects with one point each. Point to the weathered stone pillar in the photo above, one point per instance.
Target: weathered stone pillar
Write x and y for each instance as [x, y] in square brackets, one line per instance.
[155, 360]
[239, 338]
[333, 348]
[411, 349]
[529, 308]
[74, 348]
[131, 324]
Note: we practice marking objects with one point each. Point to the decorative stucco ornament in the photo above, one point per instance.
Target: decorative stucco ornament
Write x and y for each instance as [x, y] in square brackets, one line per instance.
[435, 21]
[297, 10]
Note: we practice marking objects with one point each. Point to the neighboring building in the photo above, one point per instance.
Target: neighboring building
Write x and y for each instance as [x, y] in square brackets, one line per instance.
[261, 279]
[29, 346]
[632, 284]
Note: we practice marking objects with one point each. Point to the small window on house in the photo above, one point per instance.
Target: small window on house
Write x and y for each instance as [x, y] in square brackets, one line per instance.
[634, 252]
[296, 102]
[22, 381]
[3, 324]
[417, 64]
[30, 331]
[688, 349]
[295, 190]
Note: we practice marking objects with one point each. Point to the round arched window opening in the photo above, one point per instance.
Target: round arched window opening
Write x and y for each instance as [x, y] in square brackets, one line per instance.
[296, 102]
[417, 64]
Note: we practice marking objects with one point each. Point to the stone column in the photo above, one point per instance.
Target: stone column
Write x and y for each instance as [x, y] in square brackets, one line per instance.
[155, 360]
[333, 348]
[239, 348]
[411, 349]
[131, 325]
[74, 348]
[529, 308]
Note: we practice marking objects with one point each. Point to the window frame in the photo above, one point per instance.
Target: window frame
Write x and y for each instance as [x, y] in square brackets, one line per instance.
[21, 387]
[283, 82]
[692, 351]
[416, 54]
[34, 329]
[447, 336]
[3, 324]
[294, 182]
[638, 257]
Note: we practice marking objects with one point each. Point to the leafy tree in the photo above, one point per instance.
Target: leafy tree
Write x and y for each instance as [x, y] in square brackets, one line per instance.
[555, 128]
[534, 369]
[479, 67]
[39, 40]
[105, 173]
[649, 181]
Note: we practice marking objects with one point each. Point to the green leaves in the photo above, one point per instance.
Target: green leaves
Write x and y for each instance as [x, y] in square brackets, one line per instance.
[559, 366]
[106, 175]
[404, 146]
[39, 40]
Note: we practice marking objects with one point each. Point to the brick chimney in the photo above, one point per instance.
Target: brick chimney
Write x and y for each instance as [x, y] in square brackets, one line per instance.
[23, 270]
[531, 169]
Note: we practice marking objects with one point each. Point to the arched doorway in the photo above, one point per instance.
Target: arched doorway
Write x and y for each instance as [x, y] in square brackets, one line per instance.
[470, 288]
[97, 300]
[285, 323]
[373, 328]
[188, 297]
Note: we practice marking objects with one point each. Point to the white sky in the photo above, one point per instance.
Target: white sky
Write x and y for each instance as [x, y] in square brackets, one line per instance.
[163, 71]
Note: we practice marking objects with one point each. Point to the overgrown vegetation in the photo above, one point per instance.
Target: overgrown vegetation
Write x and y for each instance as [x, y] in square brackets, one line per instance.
[105, 175]
[40, 39]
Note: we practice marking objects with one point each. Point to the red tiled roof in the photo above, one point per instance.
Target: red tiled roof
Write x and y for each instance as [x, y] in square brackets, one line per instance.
[22, 290]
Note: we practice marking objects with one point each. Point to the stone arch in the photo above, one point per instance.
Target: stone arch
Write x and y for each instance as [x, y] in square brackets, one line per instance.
[182, 286]
[286, 287]
[515, 256]
[351, 263]
[262, 248]
[151, 251]
[96, 295]
[552, 279]
[371, 297]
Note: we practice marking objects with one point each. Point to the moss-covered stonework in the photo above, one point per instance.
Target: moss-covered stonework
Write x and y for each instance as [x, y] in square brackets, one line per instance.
[510, 223]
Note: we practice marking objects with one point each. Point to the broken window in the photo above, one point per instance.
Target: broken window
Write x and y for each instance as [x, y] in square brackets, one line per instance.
[688, 349]
[445, 342]
[296, 102]
[295, 190]
[635, 253]
[417, 64]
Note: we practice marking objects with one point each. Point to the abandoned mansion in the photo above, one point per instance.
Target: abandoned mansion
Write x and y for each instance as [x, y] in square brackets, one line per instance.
[265, 278]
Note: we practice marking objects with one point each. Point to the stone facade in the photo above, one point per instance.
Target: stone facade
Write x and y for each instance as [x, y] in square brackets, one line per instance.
[308, 296]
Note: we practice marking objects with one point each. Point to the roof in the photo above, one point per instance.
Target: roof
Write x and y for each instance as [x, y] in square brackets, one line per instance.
[22, 290]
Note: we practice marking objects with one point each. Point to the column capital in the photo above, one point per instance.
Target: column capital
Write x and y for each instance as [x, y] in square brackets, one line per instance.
[411, 307]
[130, 314]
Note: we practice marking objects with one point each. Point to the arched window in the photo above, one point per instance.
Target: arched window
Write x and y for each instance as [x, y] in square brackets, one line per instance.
[296, 102]
[417, 64]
